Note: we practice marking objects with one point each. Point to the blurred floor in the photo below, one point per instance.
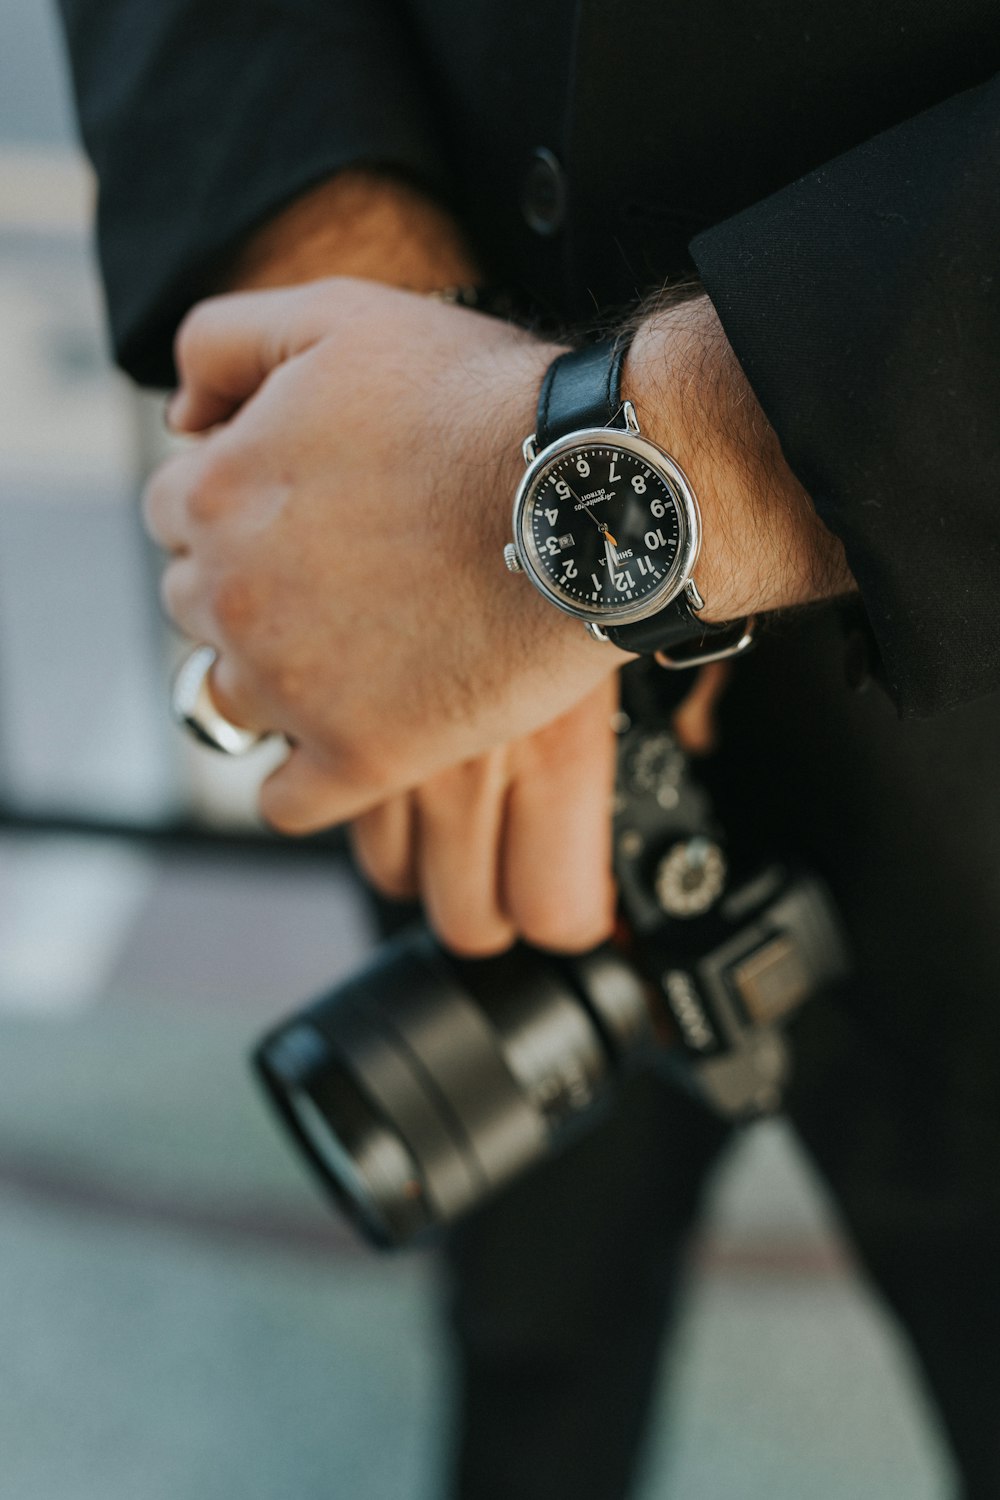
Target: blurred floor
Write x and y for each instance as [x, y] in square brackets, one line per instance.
[181, 1317]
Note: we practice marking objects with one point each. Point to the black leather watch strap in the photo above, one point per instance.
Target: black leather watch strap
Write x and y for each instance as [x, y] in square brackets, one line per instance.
[675, 625]
[582, 388]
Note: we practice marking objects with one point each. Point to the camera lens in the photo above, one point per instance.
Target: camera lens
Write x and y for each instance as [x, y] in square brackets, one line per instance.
[424, 1083]
[358, 1154]
[377, 1178]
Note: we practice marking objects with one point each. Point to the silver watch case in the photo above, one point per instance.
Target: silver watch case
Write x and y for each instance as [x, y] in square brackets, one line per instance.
[629, 440]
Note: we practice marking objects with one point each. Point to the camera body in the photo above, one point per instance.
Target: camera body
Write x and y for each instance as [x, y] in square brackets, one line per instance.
[730, 953]
[422, 1085]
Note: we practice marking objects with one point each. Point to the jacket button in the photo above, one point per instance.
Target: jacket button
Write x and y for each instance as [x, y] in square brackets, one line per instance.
[543, 193]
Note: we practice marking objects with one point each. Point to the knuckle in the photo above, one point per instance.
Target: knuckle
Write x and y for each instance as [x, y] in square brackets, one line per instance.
[202, 503]
[210, 494]
[286, 817]
[235, 604]
[291, 683]
[156, 497]
[191, 334]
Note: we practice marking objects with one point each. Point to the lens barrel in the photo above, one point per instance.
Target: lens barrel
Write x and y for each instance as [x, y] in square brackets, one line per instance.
[424, 1083]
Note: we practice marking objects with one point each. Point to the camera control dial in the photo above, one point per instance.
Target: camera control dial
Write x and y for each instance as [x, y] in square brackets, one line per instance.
[690, 878]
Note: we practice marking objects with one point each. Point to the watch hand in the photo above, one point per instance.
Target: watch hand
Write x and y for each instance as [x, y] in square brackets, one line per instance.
[601, 525]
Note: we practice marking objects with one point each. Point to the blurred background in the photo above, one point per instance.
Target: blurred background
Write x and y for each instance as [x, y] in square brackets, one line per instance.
[180, 1316]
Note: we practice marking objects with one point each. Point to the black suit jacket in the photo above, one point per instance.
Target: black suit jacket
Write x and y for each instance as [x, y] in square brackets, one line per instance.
[833, 173]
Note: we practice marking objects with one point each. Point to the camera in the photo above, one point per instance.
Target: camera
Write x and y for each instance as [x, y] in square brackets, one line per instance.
[426, 1082]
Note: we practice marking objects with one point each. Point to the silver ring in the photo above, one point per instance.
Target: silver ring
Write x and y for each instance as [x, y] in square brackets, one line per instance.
[193, 708]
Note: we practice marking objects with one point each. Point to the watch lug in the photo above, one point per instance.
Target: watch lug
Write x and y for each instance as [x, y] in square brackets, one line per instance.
[598, 634]
[693, 595]
[631, 420]
[529, 450]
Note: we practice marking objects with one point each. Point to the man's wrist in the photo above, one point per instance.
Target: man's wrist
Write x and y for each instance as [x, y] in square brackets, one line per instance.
[363, 223]
[763, 547]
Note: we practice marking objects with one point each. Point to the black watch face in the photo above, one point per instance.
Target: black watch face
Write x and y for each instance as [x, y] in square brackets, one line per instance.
[603, 528]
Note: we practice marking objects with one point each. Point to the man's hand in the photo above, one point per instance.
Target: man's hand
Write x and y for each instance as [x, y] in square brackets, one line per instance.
[516, 843]
[337, 536]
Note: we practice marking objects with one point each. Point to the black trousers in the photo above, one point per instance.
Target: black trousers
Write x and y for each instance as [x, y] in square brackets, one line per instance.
[562, 1291]
[561, 1296]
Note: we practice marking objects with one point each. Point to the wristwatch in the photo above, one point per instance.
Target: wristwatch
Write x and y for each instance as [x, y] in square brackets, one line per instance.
[606, 524]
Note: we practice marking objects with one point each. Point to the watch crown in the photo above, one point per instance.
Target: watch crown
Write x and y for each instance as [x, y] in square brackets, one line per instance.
[511, 558]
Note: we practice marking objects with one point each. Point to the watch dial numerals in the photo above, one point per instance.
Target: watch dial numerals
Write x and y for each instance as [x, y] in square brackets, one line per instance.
[603, 528]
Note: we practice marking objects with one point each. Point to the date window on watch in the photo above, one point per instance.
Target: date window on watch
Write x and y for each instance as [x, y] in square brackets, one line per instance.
[566, 540]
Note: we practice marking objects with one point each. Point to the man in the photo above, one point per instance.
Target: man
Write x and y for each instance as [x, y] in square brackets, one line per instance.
[336, 536]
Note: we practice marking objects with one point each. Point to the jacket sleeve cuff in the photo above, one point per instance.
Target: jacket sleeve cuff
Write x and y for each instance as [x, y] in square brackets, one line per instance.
[863, 303]
[219, 115]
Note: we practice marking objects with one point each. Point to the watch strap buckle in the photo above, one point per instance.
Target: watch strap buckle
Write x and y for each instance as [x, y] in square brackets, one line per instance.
[677, 660]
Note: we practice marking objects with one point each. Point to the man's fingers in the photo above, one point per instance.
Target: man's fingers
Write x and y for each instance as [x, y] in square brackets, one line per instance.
[166, 499]
[556, 878]
[383, 842]
[459, 827]
[226, 347]
[235, 699]
[184, 602]
[302, 796]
